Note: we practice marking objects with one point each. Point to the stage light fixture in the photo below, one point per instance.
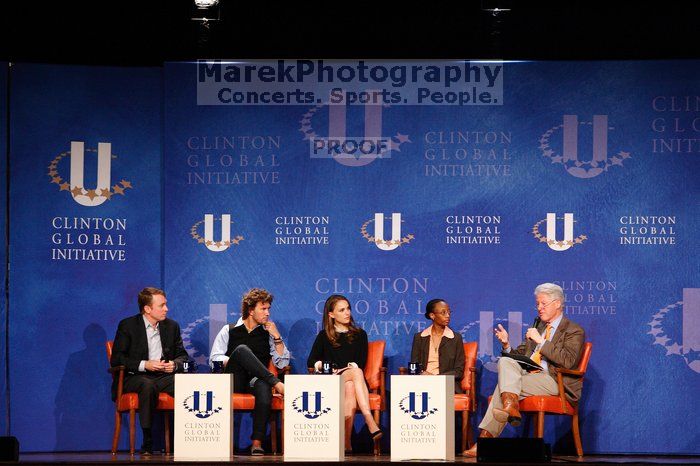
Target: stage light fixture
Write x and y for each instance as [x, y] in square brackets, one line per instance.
[205, 3]
[206, 10]
[496, 7]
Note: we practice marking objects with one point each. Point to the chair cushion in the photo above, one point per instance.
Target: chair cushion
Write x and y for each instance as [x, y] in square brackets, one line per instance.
[548, 404]
[246, 402]
[165, 402]
[277, 402]
[130, 401]
[242, 401]
[463, 402]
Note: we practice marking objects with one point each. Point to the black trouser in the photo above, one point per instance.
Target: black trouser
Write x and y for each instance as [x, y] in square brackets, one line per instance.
[148, 386]
[245, 366]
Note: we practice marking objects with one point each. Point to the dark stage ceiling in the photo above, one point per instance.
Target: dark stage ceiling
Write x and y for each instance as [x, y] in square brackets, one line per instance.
[151, 32]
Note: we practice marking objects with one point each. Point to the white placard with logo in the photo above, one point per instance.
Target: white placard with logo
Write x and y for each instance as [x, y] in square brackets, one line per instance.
[422, 417]
[203, 416]
[314, 427]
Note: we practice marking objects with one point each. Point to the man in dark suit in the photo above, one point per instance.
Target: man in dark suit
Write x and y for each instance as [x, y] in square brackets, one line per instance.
[149, 345]
[554, 341]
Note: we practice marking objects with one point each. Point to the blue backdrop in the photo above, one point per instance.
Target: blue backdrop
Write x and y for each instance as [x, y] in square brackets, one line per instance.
[3, 253]
[603, 152]
[76, 268]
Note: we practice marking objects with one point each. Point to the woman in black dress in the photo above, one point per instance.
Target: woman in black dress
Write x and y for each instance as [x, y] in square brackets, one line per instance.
[345, 345]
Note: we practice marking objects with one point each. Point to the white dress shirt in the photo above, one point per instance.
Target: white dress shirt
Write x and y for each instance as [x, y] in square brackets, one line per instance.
[220, 346]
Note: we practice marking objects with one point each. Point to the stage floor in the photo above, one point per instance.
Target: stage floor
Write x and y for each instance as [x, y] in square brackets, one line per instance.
[102, 458]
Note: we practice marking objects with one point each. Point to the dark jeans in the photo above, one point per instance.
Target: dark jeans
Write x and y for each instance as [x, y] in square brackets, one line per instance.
[148, 386]
[245, 366]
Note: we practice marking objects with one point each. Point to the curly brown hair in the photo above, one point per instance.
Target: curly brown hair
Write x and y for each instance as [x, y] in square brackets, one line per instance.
[253, 297]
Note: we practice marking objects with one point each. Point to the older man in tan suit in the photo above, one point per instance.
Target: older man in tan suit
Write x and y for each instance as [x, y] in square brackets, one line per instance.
[554, 341]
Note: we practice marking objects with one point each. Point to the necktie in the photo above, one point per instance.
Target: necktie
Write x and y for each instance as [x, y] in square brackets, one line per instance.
[536, 355]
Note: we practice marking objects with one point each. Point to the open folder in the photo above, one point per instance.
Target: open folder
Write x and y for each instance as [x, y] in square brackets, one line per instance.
[525, 362]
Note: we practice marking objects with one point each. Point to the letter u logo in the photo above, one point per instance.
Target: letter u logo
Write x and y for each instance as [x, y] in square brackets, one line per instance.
[225, 242]
[311, 404]
[77, 166]
[487, 323]
[311, 401]
[337, 122]
[600, 146]
[691, 324]
[552, 241]
[197, 408]
[380, 242]
[568, 154]
[209, 402]
[687, 344]
[418, 403]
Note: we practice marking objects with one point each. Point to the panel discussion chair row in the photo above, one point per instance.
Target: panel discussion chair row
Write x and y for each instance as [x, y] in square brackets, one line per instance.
[375, 375]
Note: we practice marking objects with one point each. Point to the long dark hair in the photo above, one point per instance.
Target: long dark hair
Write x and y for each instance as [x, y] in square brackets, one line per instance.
[328, 325]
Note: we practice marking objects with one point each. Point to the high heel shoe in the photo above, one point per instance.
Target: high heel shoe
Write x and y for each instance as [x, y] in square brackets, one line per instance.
[377, 434]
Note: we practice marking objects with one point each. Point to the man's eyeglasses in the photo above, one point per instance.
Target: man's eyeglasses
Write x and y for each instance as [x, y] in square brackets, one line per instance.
[543, 305]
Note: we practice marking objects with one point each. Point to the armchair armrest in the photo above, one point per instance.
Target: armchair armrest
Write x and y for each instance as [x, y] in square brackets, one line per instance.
[560, 382]
[118, 371]
[403, 371]
[561, 370]
[115, 369]
[382, 387]
[472, 389]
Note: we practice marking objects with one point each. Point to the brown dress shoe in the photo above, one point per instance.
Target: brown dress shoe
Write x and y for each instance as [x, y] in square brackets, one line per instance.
[471, 453]
[509, 413]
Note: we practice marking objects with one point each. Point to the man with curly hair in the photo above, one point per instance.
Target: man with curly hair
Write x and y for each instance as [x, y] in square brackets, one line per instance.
[246, 349]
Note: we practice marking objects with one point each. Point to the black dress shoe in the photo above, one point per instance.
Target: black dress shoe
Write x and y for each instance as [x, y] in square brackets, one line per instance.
[147, 448]
[147, 445]
[256, 451]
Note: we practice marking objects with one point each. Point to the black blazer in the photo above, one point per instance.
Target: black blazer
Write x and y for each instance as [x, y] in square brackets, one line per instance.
[450, 355]
[131, 347]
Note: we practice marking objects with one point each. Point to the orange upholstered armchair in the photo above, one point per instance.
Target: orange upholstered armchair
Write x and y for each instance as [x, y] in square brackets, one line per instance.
[466, 402]
[541, 405]
[129, 402]
[375, 375]
[246, 402]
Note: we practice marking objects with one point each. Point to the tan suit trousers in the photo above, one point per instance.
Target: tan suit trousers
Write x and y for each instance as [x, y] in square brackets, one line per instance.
[513, 379]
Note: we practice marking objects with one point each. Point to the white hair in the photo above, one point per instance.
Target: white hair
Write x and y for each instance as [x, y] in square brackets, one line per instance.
[550, 289]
